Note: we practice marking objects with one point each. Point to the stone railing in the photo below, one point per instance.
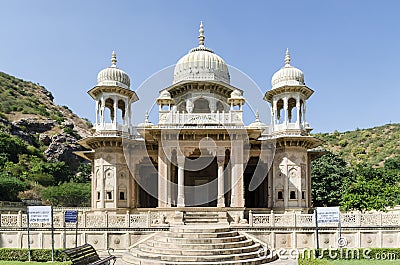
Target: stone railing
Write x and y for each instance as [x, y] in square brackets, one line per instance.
[89, 220]
[172, 117]
[149, 219]
[308, 220]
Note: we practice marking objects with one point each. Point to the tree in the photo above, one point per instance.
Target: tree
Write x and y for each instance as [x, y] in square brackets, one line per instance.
[328, 175]
[10, 187]
[68, 194]
[393, 163]
[370, 189]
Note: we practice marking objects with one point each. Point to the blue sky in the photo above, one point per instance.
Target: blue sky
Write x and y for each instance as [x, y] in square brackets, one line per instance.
[348, 50]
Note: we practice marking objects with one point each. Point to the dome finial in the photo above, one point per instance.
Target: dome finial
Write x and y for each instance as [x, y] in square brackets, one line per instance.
[257, 116]
[146, 120]
[113, 59]
[201, 36]
[287, 57]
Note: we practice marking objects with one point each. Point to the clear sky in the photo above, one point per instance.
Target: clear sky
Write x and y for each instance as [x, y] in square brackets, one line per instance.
[348, 50]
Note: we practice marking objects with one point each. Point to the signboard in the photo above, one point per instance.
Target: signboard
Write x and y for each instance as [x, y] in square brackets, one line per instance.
[328, 215]
[71, 216]
[39, 214]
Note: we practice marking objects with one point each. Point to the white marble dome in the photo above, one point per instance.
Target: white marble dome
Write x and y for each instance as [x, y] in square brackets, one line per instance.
[112, 76]
[201, 63]
[288, 75]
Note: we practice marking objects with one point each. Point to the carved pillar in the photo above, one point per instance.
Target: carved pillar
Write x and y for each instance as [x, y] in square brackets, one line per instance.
[114, 115]
[286, 111]
[298, 111]
[162, 177]
[221, 191]
[103, 104]
[181, 181]
[237, 197]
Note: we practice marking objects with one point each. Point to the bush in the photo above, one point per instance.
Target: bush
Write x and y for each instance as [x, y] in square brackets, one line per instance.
[68, 194]
[21, 254]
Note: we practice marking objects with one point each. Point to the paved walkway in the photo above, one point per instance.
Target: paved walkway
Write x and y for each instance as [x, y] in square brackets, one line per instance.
[278, 262]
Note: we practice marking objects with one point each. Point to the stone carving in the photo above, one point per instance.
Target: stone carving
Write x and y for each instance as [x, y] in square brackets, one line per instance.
[117, 220]
[10, 220]
[138, 220]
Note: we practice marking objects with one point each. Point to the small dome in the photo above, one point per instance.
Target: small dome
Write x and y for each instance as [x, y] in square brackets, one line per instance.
[165, 95]
[236, 94]
[201, 63]
[112, 76]
[288, 75]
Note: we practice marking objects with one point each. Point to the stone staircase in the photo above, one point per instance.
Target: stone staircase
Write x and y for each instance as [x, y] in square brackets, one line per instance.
[197, 244]
[200, 217]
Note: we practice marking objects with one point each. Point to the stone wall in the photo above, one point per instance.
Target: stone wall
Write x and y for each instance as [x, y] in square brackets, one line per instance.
[119, 231]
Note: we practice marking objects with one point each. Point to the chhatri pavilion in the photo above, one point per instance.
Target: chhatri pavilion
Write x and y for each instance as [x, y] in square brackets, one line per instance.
[200, 154]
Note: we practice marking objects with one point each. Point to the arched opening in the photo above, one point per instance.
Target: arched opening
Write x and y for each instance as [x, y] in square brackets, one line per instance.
[292, 110]
[280, 112]
[121, 112]
[109, 111]
[201, 105]
[256, 170]
[220, 106]
[99, 112]
[301, 111]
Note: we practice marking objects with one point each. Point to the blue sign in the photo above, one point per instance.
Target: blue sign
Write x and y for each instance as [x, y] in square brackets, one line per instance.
[71, 216]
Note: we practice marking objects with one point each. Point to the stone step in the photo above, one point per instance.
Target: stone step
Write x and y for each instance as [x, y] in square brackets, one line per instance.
[202, 214]
[213, 240]
[200, 252]
[198, 229]
[222, 245]
[193, 258]
[198, 235]
[201, 221]
[255, 261]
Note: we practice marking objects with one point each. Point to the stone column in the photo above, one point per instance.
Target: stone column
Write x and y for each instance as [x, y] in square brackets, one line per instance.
[181, 181]
[221, 190]
[237, 195]
[298, 112]
[270, 189]
[286, 111]
[162, 177]
[133, 185]
[115, 111]
[103, 104]
[169, 184]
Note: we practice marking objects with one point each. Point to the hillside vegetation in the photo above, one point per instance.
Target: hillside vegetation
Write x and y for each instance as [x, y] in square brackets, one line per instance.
[37, 141]
[371, 146]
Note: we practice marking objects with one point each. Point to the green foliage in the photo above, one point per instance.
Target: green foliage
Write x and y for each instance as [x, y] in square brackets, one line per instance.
[370, 189]
[18, 95]
[313, 256]
[372, 146]
[84, 173]
[68, 194]
[328, 175]
[72, 132]
[21, 254]
[51, 172]
[12, 146]
[10, 187]
[393, 163]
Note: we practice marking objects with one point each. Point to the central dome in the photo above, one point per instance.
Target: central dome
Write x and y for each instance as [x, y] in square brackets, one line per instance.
[201, 64]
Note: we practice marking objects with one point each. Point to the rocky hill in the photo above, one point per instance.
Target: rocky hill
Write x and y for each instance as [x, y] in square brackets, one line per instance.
[27, 111]
[37, 141]
[372, 146]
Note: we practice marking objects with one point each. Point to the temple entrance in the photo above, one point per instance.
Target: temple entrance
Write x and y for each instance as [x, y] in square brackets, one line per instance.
[201, 184]
[257, 198]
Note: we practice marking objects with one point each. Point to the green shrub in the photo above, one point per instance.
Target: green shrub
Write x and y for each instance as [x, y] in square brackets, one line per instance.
[40, 255]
